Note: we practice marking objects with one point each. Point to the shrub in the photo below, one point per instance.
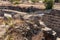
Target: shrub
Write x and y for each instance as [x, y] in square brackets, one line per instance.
[49, 4]
[34, 1]
[13, 1]
[16, 2]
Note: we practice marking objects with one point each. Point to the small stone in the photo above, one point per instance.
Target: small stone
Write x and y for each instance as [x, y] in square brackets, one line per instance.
[7, 15]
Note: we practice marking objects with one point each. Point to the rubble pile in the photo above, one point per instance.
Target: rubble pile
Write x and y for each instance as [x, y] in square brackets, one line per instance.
[38, 25]
[19, 28]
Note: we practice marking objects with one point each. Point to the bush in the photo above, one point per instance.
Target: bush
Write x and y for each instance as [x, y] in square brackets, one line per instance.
[16, 2]
[34, 1]
[13, 1]
[49, 4]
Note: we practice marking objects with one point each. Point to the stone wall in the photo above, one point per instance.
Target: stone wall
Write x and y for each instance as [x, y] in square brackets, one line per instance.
[57, 1]
[52, 20]
[21, 9]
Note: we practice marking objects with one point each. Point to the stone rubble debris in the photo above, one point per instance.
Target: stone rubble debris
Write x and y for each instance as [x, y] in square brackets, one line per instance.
[23, 26]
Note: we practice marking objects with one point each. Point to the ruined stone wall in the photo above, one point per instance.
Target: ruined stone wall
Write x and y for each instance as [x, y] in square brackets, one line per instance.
[52, 20]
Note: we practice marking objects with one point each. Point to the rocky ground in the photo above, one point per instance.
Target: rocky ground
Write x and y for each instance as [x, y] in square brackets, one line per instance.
[17, 25]
[24, 26]
[20, 25]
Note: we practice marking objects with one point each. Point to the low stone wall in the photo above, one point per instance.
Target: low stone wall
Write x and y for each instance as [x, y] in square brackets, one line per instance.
[22, 9]
[52, 20]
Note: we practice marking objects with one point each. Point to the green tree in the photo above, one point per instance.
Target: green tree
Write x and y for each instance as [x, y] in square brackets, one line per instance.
[49, 4]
